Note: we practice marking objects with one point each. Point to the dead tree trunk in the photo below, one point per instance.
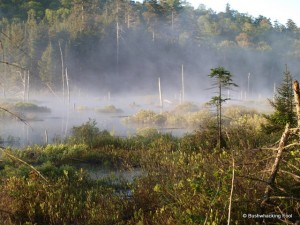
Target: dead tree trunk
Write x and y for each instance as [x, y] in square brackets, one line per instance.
[182, 84]
[297, 100]
[27, 86]
[275, 167]
[160, 94]
[68, 85]
[62, 70]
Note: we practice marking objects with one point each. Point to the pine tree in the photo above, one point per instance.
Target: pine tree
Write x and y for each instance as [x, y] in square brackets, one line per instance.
[223, 80]
[282, 103]
[47, 68]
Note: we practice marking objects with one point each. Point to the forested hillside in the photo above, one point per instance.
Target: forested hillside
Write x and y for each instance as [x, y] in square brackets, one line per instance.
[112, 44]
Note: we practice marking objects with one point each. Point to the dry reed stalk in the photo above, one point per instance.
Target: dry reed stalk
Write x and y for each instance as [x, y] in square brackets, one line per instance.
[231, 191]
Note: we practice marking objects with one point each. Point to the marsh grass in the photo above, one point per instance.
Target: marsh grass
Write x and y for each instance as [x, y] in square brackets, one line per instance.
[188, 115]
[109, 109]
[182, 180]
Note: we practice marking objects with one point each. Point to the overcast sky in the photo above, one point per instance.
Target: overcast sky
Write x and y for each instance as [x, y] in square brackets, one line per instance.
[280, 10]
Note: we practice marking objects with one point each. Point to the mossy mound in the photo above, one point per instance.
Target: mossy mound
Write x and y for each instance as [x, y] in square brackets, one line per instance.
[185, 108]
[109, 109]
[147, 117]
[30, 107]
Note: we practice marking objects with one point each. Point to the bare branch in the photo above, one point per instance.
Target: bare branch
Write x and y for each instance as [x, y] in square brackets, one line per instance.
[22, 161]
[275, 167]
[289, 164]
[231, 191]
[253, 178]
[15, 115]
[285, 197]
[12, 64]
[295, 177]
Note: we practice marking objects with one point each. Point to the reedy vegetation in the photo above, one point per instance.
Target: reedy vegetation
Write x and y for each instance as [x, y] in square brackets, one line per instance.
[184, 180]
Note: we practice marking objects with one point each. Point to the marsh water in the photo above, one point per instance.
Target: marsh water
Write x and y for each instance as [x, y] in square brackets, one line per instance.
[42, 128]
[56, 125]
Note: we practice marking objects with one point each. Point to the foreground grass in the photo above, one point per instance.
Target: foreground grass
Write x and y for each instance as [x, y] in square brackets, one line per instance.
[183, 180]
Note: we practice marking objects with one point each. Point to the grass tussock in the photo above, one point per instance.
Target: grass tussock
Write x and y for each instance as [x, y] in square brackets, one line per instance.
[109, 109]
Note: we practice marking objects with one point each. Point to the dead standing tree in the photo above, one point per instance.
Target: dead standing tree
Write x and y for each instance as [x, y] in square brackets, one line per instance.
[297, 100]
[282, 146]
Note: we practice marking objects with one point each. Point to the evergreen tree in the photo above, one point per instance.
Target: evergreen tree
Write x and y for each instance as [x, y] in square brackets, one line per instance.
[282, 103]
[223, 80]
[46, 65]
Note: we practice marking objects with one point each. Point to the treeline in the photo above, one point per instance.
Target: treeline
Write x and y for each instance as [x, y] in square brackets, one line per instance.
[111, 44]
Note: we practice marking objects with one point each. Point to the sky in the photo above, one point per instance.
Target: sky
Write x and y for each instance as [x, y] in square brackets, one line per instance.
[280, 10]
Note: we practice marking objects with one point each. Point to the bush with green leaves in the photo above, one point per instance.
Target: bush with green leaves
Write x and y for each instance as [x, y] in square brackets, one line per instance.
[86, 133]
[147, 132]
[109, 109]
[147, 117]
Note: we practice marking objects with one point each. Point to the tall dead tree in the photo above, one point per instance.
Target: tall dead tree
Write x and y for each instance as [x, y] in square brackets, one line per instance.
[160, 94]
[68, 85]
[4, 77]
[27, 86]
[182, 83]
[62, 70]
[297, 100]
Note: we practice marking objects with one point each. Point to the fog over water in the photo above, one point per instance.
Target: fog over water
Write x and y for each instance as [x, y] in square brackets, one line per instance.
[56, 125]
[114, 54]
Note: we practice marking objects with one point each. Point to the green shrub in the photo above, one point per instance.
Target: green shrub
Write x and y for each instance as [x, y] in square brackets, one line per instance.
[109, 109]
[147, 132]
[147, 117]
[85, 133]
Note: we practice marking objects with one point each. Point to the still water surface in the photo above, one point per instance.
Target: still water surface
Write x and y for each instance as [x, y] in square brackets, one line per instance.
[46, 127]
